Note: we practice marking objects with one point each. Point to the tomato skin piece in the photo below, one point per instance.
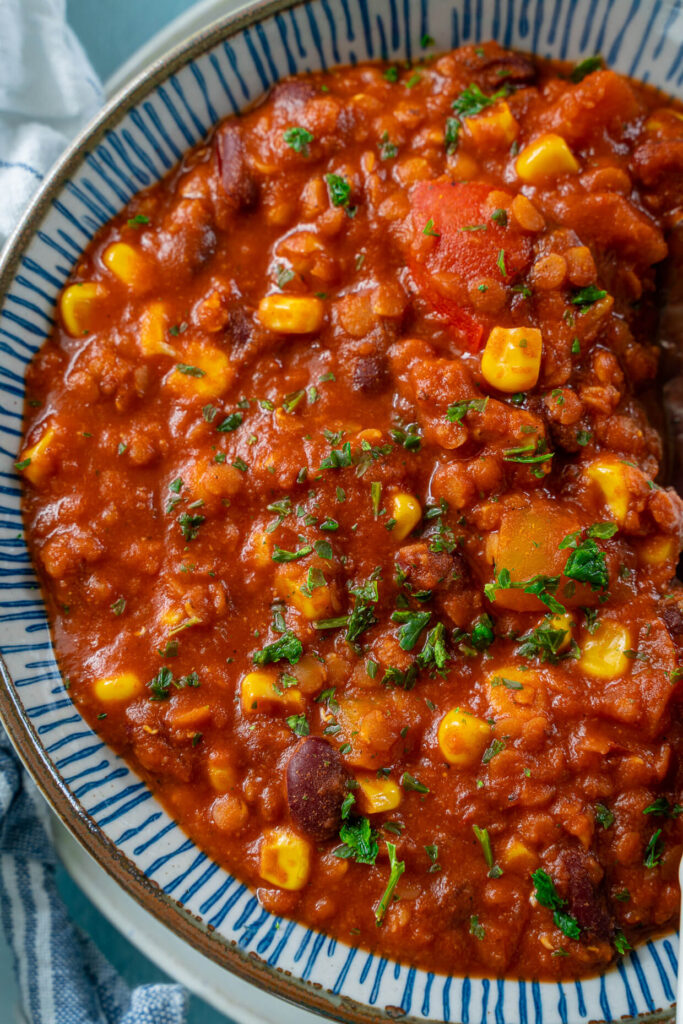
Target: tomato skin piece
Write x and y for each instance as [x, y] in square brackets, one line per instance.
[444, 244]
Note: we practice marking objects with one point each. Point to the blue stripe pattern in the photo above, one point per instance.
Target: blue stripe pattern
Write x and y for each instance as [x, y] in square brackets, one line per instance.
[638, 38]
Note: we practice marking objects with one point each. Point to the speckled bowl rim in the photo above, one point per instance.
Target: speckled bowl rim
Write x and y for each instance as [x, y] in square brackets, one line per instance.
[20, 730]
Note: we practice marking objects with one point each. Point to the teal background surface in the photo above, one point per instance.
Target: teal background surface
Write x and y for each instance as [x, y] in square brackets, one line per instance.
[110, 31]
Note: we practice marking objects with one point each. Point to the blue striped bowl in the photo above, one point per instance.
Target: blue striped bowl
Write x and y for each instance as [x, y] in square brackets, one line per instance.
[138, 137]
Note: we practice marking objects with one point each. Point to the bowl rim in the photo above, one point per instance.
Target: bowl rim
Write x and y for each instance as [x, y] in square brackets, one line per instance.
[21, 731]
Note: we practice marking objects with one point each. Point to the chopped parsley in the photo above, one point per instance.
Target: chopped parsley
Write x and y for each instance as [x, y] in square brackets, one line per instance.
[432, 851]
[430, 230]
[283, 275]
[604, 816]
[587, 564]
[547, 895]
[476, 928]
[654, 850]
[484, 840]
[543, 642]
[451, 135]
[190, 371]
[410, 783]
[339, 189]
[230, 423]
[585, 67]
[434, 650]
[456, 412]
[189, 525]
[472, 100]
[412, 625]
[298, 724]
[137, 220]
[119, 606]
[280, 555]
[298, 139]
[359, 842]
[542, 587]
[288, 647]
[408, 437]
[397, 868]
[339, 458]
[387, 149]
[585, 297]
[661, 808]
[495, 747]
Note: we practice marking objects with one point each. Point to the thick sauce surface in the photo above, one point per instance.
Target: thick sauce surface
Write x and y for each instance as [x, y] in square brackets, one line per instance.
[345, 511]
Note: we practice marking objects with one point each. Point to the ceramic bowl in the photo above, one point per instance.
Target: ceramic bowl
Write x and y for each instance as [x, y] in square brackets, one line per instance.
[138, 137]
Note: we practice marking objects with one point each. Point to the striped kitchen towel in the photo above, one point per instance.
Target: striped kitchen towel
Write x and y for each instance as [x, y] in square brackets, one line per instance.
[48, 91]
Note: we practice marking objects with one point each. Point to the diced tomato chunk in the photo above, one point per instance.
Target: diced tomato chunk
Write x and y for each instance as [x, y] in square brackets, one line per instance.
[454, 242]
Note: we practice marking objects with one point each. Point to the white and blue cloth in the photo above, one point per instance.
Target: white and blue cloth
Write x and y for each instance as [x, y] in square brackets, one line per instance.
[48, 91]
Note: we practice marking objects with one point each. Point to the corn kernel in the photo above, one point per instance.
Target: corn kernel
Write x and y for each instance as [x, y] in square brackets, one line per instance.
[602, 654]
[291, 314]
[221, 776]
[210, 372]
[511, 360]
[610, 478]
[546, 157]
[376, 795]
[565, 623]
[518, 857]
[463, 737]
[128, 264]
[76, 305]
[39, 458]
[259, 693]
[118, 688]
[316, 605]
[496, 127]
[285, 858]
[657, 550]
[153, 331]
[407, 512]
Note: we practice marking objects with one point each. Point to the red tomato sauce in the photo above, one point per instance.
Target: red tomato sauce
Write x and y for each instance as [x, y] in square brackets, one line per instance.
[345, 504]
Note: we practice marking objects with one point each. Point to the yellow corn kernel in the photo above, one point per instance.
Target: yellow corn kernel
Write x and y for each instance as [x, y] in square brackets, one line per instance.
[610, 478]
[37, 460]
[222, 776]
[407, 512]
[518, 857]
[564, 622]
[463, 737]
[657, 550]
[76, 304]
[376, 795]
[495, 127]
[291, 314]
[128, 264]
[546, 157]
[511, 360]
[285, 858]
[118, 688]
[259, 693]
[602, 654]
[315, 605]
[210, 372]
[153, 331]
